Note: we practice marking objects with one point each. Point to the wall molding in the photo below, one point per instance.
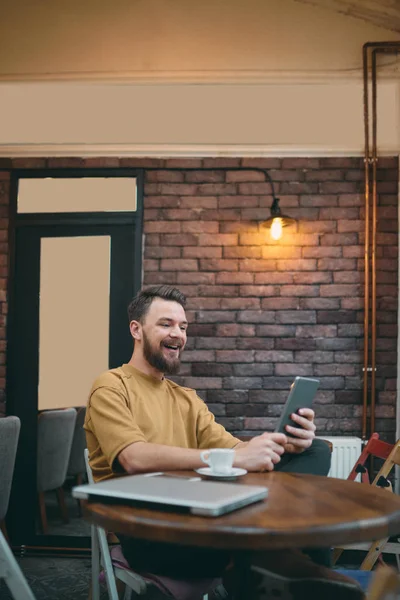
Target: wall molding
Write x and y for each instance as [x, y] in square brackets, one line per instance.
[389, 72]
[177, 150]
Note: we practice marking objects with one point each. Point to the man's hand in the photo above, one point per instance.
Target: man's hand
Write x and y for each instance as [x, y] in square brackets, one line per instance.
[299, 439]
[261, 453]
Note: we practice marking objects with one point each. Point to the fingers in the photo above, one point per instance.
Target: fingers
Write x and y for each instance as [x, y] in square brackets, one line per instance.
[261, 453]
[278, 438]
[308, 413]
[267, 440]
[270, 456]
[302, 437]
[303, 434]
[270, 461]
[299, 443]
[304, 422]
[277, 448]
[267, 466]
[273, 448]
[275, 458]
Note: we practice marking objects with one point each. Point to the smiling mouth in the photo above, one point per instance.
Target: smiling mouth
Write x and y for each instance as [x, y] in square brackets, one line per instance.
[172, 347]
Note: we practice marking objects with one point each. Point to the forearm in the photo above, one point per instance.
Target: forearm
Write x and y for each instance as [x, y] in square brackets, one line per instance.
[143, 457]
[240, 445]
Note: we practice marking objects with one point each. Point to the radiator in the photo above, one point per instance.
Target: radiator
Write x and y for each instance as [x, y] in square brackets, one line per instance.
[345, 452]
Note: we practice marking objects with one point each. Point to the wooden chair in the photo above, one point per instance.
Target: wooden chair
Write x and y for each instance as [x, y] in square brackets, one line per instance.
[385, 584]
[390, 452]
[374, 447]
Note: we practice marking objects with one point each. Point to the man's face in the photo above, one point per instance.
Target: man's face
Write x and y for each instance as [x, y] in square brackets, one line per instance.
[164, 335]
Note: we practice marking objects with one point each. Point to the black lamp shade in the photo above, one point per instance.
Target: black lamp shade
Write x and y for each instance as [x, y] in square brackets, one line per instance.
[276, 214]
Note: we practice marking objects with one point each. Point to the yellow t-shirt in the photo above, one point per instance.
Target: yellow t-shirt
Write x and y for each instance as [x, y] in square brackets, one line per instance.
[127, 406]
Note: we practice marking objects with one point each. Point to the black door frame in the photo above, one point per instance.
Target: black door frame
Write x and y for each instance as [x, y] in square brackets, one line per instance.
[26, 231]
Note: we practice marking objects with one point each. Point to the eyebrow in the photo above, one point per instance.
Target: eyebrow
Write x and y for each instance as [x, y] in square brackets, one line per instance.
[171, 320]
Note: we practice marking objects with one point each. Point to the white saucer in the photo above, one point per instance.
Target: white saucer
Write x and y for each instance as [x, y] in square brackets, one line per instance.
[235, 472]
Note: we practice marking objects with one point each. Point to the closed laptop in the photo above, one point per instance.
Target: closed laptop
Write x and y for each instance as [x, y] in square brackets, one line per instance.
[187, 494]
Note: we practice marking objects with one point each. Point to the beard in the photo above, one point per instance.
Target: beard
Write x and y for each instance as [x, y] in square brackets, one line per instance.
[156, 358]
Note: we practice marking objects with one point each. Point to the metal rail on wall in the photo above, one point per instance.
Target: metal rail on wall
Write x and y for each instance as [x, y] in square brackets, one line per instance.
[370, 52]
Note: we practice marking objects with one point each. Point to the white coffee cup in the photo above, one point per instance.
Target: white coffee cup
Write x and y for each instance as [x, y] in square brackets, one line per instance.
[220, 460]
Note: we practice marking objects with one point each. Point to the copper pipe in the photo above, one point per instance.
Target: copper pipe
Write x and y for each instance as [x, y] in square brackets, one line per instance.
[377, 47]
[366, 244]
[373, 241]
[384, 46]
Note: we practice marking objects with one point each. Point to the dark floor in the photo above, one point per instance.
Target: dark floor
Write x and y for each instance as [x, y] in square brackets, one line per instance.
[68, 578]
[55, 578]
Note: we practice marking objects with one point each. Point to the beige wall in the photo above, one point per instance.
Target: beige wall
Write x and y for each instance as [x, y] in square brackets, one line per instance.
[141, 36]
[104, 119]
[277, 77]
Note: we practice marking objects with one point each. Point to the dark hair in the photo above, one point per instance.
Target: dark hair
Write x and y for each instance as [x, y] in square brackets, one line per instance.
[140, 304]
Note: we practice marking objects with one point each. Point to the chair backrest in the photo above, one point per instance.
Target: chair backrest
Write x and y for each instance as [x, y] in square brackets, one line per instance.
[385, 584]
[392, 460]
[374, 447]
[76, 464]
[87, 465]
[55, 433]
[9, 435]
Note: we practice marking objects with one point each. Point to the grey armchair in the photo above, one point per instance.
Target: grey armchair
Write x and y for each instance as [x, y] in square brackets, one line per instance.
[76, 464]
[9, 568]
[55, 434]
[9, 435]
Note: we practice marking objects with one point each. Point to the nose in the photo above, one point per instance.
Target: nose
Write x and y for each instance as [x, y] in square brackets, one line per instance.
[176, 332]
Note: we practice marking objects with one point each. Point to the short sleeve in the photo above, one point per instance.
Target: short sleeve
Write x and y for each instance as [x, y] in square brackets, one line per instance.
[112, 422]
[209, 433]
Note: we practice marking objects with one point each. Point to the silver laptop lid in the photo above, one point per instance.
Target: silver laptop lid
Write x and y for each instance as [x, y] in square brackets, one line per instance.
[210, 498]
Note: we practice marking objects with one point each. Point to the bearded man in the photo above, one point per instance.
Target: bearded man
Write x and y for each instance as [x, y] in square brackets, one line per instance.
[138, 421]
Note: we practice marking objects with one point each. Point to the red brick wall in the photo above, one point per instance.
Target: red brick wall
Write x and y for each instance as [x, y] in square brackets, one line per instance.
[4, 209]
[260, 312]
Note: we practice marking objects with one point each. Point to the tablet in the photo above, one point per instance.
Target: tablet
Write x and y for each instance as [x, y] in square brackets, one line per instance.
[301, 395]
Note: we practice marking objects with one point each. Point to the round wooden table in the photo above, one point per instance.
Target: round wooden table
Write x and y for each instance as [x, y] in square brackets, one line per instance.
[301, 511]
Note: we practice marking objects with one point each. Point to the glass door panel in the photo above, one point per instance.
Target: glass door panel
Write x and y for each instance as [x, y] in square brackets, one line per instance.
[74, 316]
[75, 195]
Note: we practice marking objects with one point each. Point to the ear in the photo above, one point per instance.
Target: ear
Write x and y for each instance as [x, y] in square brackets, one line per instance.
[136, 330]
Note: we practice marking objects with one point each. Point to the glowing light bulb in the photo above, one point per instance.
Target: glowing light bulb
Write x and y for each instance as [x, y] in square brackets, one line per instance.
[276, 228]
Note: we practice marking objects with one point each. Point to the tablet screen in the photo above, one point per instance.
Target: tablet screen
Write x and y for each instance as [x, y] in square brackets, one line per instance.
[301, 395]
